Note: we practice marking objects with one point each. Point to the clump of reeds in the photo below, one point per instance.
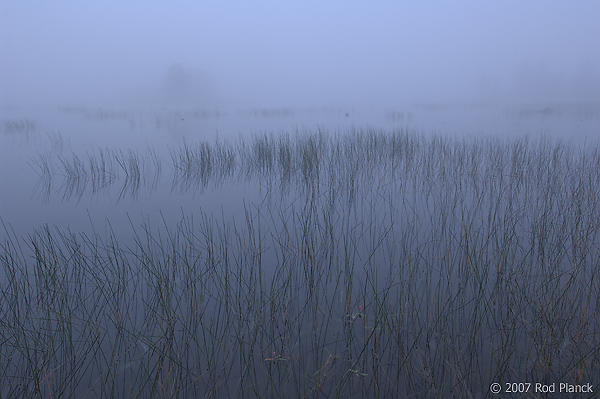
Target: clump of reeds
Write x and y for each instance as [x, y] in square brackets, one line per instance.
[21, 129]
[97, 171]
[19, 126]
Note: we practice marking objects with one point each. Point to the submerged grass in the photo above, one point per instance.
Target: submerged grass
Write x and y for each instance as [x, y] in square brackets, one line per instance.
[398, 266]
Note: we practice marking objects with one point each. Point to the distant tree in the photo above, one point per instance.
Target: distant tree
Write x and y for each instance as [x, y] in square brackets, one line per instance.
[177, 83]
[190, 86]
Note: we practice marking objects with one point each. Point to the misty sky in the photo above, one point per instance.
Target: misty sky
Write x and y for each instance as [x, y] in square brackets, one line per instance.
[309, 53]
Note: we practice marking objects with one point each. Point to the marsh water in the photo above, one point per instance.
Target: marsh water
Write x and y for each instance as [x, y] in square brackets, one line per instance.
[58, 133]
[314, 252]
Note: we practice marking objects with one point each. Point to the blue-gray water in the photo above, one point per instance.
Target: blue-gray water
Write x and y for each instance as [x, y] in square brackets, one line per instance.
[27, 133]
[439, 234]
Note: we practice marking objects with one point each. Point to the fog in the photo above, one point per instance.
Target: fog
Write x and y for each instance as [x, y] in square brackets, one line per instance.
[268, 53]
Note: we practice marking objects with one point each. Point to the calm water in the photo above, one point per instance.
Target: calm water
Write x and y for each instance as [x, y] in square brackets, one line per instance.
[28, 202]
[301, 251]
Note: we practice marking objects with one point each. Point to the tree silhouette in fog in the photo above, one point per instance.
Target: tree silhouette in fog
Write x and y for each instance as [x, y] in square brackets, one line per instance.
[182, 85]
[178, 84]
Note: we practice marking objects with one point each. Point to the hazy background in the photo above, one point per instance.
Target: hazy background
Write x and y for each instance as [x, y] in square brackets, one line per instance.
[309, 53]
